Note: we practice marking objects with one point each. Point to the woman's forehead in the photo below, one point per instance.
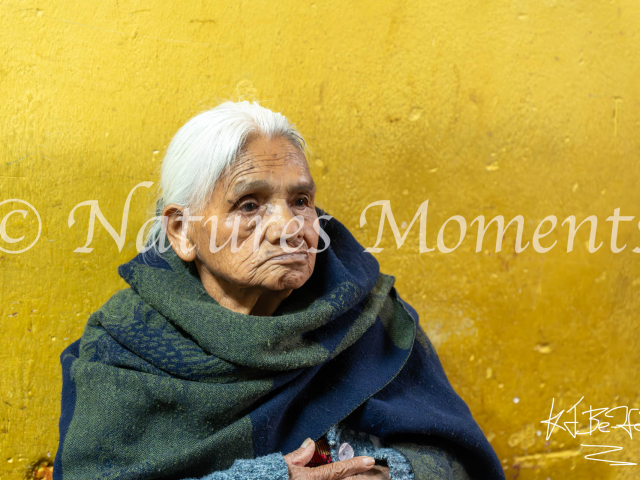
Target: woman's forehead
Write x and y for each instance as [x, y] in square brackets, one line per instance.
[285, 160]
[269, 173]
[270, 150]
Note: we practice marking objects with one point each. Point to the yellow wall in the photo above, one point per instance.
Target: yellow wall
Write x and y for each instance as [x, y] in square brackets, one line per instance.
[483, 107]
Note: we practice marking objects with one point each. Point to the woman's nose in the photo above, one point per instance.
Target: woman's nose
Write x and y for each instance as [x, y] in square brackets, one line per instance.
[283, 223]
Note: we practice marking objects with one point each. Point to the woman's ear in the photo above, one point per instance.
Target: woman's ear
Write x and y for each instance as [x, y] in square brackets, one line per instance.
[178, 232]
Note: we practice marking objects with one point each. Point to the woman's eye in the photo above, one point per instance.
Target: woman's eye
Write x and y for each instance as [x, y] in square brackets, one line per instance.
[249, 207]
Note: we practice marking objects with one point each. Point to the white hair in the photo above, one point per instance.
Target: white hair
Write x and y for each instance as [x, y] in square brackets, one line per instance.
[208, 146]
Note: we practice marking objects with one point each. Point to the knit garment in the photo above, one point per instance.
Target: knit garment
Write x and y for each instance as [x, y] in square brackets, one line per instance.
[269, 467]
[273, 466]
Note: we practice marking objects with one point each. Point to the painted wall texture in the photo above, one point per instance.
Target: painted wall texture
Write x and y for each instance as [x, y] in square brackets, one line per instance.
[489, 107]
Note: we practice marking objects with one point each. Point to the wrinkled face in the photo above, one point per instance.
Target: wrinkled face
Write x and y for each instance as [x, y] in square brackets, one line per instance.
[267, 203]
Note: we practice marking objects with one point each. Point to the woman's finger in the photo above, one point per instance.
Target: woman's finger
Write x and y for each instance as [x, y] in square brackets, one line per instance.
[343, 469]
[378, 472]
[302, 455]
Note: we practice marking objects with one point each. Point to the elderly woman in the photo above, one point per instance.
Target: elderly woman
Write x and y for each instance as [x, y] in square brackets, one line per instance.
[257, 340]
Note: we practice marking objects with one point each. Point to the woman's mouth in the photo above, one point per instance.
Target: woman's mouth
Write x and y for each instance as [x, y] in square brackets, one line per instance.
[293, 257]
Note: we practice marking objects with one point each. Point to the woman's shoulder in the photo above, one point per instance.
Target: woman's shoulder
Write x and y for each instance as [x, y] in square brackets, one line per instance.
[118, 305]
[114, 314]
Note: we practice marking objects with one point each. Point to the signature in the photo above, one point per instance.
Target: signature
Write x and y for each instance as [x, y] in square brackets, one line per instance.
[600, 420]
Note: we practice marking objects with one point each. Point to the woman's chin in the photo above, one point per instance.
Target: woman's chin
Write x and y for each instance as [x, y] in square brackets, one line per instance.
[289, 280]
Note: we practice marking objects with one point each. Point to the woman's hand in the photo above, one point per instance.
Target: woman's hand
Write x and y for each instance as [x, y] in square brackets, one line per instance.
[297, 460]
[378, 472]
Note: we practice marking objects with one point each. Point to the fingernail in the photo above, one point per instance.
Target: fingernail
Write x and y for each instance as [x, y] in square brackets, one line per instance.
[368, 461]
[307, 442]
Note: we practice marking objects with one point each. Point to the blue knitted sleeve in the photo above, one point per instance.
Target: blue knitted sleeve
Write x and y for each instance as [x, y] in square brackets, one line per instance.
[270, 466]
[363, 444]
[274, 467]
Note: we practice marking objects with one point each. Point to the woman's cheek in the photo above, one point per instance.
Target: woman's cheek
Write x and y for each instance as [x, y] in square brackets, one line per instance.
[312, 262]
[311, 236]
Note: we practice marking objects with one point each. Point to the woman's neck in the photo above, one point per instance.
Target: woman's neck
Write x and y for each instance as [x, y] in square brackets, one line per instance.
[257, 301]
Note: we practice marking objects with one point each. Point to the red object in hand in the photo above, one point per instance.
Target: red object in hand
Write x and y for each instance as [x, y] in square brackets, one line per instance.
[322, 455]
